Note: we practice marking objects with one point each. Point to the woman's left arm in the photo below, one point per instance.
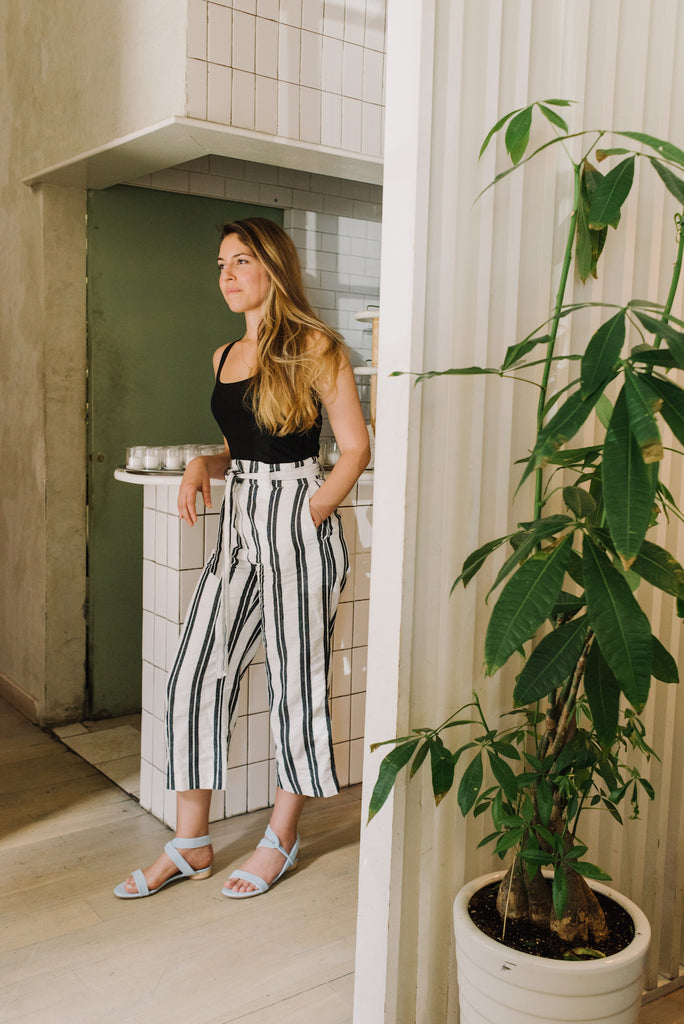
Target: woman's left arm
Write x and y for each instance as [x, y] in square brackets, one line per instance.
[351, 433]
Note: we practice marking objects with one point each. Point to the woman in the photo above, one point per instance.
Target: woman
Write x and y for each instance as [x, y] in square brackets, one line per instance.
[279, 566]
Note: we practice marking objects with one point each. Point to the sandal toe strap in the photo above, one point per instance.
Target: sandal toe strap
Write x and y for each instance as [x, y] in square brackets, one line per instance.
[141, 882]
[247, 876]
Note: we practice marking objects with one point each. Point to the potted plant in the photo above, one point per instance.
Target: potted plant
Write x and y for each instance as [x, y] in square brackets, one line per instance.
[567, 608]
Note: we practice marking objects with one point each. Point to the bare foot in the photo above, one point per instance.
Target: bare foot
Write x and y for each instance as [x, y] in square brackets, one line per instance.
[265, 862]
[164, 868]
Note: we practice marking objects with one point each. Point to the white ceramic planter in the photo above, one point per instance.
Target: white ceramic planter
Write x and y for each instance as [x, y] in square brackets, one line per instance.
[498, 985]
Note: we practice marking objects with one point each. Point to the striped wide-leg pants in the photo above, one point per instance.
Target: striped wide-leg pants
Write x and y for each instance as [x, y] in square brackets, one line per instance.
[274, 577]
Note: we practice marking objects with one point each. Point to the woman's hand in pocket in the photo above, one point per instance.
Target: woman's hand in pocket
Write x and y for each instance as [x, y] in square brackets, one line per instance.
[318, 509]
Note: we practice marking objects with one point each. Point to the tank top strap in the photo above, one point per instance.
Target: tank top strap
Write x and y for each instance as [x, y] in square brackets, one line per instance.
[223, 356]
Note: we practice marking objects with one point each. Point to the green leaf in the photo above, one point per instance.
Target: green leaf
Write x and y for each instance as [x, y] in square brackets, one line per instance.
[672, 409]
[672, 183]
[497, 811]
[516, 352]
[540, 857]
[560, 103]
[561, 427]
[553, 117]
[647, 788]
[457, 371]
[544, 796]
[497, 127]
[474, 562]
[604, 410]
[524, 603]
[577, 456]
[602, 154]
[559, 891]
[663, 665]
[518, 134]
[470, 785]
[556, 140]
[567, 604]
[551, 662]
[675, 339]
[442, 771]
[611, 194]
[602, 353]
[419, 758]
[587, 870]
[589, 244]
[628, 485]
[537, 532]
[575, 569]
[579, 501]
[642, 404]
[659, 568]
[622, 629]
[652, 356]
[390, 765]
[603, 693]
[508, 840]
[504, 776]
[666, 150]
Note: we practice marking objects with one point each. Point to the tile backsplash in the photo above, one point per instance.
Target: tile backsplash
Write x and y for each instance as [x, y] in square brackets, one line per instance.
[310, 70]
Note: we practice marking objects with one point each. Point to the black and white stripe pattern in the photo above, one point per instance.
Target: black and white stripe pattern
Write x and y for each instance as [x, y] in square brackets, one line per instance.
[273, 577]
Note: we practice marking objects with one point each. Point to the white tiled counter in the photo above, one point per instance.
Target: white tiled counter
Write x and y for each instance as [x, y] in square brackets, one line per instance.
[173, 557]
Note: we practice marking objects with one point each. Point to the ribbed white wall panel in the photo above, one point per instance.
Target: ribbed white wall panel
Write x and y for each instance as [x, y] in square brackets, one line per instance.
[480, 277]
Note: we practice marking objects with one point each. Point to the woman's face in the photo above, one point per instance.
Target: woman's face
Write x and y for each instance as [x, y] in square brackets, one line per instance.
[244, 282]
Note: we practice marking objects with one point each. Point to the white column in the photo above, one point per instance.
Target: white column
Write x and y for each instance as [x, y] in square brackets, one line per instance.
[404, 239]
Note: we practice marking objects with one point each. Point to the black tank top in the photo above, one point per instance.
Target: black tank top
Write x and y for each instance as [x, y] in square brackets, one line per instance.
[231, 408]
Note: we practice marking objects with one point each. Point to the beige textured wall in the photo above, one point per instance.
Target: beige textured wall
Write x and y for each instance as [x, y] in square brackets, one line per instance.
[74, 75]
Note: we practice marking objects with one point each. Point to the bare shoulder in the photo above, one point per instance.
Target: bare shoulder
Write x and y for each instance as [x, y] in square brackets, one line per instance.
[216, 358]
[320, 344]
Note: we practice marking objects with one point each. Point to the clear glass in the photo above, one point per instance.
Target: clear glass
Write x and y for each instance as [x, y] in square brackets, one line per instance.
[173, 457]
[190, 452]
[135, 457]
[152, 458]
[332, 454]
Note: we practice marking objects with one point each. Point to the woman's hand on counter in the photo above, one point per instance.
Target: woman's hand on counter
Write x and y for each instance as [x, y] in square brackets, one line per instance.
[197, 479]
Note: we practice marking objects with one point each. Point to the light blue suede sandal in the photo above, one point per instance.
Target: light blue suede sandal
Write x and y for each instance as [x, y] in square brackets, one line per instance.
[184, 869]
[271, 840]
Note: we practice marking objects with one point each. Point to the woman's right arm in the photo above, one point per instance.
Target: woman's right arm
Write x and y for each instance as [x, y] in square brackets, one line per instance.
[201, 471]
[197, 478]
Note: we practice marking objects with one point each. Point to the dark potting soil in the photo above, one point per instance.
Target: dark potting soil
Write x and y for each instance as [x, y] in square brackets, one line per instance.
[529, 938]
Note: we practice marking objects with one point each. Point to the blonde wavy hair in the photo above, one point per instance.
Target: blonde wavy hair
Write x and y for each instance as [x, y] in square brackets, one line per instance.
[292, 368]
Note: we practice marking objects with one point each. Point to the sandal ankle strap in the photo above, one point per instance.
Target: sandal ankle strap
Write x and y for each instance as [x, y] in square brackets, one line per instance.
[191, 844]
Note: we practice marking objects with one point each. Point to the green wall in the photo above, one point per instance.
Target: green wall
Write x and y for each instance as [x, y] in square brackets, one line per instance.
[155, 316]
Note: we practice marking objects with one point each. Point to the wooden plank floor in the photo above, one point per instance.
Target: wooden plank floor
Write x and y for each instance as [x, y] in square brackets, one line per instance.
[666, 1010]
[71, 953]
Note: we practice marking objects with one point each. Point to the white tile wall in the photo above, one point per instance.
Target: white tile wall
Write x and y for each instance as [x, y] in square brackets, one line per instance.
[174, 554]
[333, 48]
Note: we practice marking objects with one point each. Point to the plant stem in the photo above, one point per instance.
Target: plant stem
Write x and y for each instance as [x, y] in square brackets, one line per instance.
[564, 721]
[676, 273]
[555, 322]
